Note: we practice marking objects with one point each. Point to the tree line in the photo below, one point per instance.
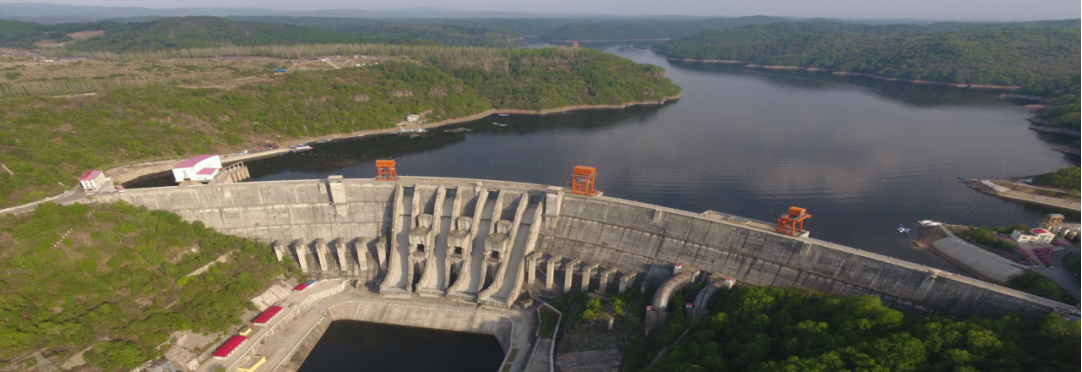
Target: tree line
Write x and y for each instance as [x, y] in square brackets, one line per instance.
[1020, 54]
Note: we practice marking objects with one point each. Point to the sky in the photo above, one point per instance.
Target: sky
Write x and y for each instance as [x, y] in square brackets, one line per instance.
[1000, 10]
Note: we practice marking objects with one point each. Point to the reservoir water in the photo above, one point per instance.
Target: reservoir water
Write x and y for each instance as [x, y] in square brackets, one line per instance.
[863, 156]
[364, 346]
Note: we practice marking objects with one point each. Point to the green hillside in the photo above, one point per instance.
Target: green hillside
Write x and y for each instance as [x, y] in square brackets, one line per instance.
[176, 33]
[44, 140]
[118, 282]
[447, 32]
[1022, 54]
[202, 32]
[627, 29]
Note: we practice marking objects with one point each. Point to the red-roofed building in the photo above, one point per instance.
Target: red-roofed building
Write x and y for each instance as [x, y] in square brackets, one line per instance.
[300, 287]
[93, 180]
[200, 168]
[230, 345]
[266, 316]
[1035, 236]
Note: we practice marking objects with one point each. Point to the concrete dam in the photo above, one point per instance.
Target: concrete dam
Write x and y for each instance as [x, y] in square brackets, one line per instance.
[489, 242]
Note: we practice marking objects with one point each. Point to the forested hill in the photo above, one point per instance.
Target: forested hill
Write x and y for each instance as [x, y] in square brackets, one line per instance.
[447, 32]
[629, 29]
[118, 282]
[176, 33]
[1000, 54]
[45, 140]
[197, 32]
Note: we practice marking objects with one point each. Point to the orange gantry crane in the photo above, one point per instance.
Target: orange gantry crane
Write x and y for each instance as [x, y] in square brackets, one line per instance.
[792, 223]
[385, 170]
[583, 179]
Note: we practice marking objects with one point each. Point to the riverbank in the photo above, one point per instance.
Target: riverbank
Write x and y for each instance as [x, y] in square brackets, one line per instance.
[133, 171]
[603, 40]
[1008, 189]
[749, 64]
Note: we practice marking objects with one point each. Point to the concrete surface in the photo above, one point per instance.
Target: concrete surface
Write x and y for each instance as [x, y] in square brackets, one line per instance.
[976, 259]
[612, 233]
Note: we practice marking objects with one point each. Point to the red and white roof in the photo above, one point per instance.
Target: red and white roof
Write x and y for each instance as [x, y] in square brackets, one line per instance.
[1040, 231]
[267, 315]
[192, 161]
[228, 347]
[90, 175]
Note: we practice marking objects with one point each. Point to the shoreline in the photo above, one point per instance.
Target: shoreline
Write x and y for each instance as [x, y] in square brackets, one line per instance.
[136, 170]
[748, 64]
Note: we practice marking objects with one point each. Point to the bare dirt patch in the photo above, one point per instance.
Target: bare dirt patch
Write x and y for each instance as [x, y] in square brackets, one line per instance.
[83, 35]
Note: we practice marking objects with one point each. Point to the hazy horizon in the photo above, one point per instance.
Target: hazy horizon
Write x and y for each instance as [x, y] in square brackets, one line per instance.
[989, 10]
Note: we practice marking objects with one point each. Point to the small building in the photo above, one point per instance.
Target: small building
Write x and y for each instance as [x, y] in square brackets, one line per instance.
[200, 168]
[279, 71]
[245, 331]
[93, 180]
[230, 345]
[303, 286]
[252, 363]
[1035, 236]
[267, 315]
[413, 118]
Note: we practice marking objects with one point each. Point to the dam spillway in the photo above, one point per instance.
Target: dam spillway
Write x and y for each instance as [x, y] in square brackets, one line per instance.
[500, 239]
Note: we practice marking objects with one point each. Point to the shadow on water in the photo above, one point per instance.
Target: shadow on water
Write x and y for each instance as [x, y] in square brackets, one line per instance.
[364, 346]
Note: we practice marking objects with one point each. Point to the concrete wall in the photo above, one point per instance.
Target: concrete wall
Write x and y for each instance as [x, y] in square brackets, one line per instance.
[611, 233]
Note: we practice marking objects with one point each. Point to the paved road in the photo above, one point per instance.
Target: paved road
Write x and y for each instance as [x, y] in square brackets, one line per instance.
[75, 195]
[1060, 275]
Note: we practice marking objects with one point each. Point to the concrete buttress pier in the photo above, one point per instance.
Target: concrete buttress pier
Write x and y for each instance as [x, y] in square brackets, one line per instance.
[480, 241]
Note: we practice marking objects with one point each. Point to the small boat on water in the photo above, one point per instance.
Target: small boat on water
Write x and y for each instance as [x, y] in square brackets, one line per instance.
[499, 124]
[300, 148]
[504, 115]
[903, 230]
[323, 141]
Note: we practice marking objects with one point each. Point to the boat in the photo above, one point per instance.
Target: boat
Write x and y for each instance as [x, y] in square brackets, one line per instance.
[929, 223]
[499, 124]
[301, 148]
[504, 115]
[323, 141]
[902, 229]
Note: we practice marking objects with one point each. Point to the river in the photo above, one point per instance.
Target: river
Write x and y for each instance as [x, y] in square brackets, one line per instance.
[862, 155]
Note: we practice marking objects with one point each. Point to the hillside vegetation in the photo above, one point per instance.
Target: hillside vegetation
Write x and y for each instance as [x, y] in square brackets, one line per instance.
[628, 29]
[787, 329]
[118, 282]
[44, 139]
[1066, 178]
[1000, 54]
[447, 32]
[179, 32]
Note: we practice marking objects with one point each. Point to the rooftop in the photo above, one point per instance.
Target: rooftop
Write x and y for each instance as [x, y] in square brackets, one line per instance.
[228, 347]
[207, 171]
[90, 175]
[267, 315]
[1040, 231]
[192, 161]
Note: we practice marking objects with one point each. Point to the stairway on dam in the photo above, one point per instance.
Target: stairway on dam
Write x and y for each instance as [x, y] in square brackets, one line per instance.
[487, 242]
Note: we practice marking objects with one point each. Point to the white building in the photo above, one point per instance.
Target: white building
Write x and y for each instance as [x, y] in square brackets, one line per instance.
[413, 118]
[201, 168]
[93, 180]
[1035, 236]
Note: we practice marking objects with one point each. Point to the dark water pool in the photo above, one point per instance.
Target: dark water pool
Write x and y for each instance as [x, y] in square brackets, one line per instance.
[364, 346]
